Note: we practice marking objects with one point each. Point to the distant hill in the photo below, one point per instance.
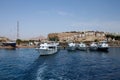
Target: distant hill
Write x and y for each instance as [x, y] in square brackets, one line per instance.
[4, 39]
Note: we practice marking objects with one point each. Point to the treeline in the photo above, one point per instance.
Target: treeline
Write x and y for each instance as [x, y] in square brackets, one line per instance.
[19, 41]
[116, 37]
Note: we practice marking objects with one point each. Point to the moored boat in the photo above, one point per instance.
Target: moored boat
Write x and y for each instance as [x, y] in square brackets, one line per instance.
[93, 46]
[9, 45]
[71, 47]
[82, 46]
[103, 46]
[47, 48]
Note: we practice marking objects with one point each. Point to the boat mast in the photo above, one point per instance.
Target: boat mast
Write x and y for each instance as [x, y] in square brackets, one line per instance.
[17, 29]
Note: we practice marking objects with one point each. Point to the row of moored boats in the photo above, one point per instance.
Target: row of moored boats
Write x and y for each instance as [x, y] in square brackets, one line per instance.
[101, 46]
[52, 48]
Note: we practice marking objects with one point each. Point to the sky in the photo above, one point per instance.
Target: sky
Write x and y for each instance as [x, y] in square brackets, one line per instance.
[41, 17]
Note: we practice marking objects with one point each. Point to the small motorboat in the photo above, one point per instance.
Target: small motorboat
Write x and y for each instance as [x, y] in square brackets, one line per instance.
[71, 47]
[93, 46]
[82, 46]
[103, 46]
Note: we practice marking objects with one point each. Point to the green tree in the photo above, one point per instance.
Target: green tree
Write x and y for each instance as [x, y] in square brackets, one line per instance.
[96, 40]
[18, 41]
[54, 38]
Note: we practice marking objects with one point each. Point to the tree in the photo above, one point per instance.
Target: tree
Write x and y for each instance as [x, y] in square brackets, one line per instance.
[96, 40]
[116, 37]
[55, 38]
[18, 41]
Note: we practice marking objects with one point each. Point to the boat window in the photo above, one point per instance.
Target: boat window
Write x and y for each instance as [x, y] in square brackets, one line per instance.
[52, 47]
[42, 46]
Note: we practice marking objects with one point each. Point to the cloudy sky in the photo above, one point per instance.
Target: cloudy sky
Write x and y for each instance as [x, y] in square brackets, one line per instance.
[40, 17]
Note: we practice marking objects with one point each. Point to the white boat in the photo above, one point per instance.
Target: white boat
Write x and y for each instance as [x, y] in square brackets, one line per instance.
[48, 48]
[103, 46]
[93, 46]
[82, 46]
[71, 47]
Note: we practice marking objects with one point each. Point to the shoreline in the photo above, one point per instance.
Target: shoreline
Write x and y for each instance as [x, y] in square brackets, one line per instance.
[25, 46]
[9, 47]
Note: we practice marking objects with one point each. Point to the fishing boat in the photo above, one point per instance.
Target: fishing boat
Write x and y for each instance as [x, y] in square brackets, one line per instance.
[48, 48]
[103, 46]
[71, 47]
[82, 46]
[93, 46]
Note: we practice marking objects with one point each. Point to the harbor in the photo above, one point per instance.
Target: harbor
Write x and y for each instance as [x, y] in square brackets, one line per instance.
[59, 40]
[46, 59]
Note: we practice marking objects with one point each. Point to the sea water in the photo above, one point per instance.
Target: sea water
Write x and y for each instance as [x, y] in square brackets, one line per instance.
[27, 64]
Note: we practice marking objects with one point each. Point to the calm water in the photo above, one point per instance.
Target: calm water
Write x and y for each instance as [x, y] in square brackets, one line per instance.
[26, 64]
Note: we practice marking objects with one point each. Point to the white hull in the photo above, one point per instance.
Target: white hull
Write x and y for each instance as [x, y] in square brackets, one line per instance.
[71, 48]
[47, 52]
[47, 49]
[82, 48]
[93, 47]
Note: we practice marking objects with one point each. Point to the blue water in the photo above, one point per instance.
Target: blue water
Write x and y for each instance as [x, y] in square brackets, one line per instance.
[26, 64]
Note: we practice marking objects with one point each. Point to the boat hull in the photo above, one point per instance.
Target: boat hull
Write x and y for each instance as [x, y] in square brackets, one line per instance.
[82, 48]
[47, 52]
[93, 48]
[72, 48]
[9, 45]
[102, 49]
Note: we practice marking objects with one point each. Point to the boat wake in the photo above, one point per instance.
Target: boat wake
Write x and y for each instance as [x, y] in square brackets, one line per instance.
[40, 72]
